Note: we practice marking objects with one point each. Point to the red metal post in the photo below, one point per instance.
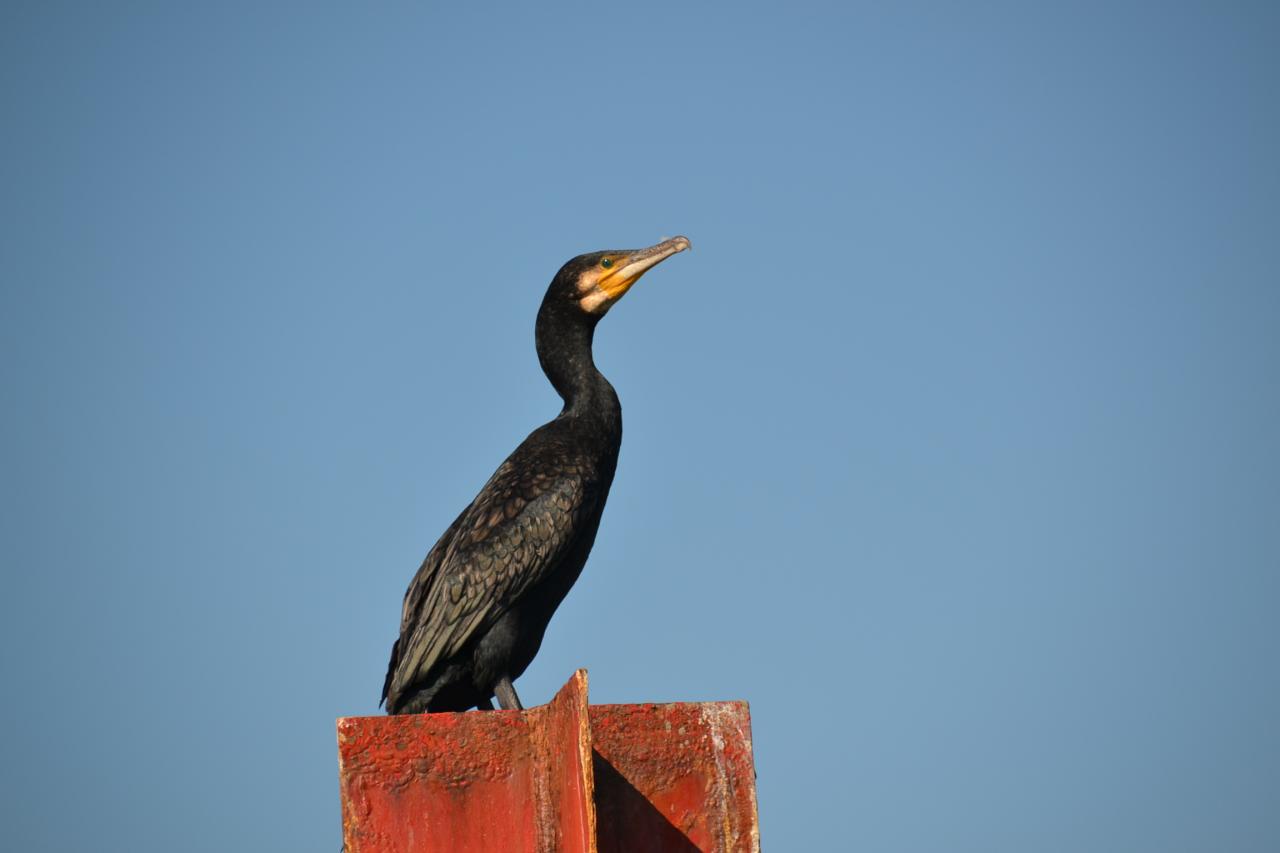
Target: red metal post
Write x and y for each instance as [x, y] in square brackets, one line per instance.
[660, 778]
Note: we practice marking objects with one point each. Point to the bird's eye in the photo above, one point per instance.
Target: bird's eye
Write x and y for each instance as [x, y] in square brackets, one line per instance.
[606, 263]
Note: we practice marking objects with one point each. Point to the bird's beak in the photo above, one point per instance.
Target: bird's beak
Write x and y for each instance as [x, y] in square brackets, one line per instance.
[629, 266]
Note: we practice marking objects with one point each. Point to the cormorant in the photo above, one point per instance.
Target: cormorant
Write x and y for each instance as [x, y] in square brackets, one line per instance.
[475, 612]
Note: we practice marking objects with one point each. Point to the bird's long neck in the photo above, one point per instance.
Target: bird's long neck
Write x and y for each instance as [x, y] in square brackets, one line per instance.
[564, 349]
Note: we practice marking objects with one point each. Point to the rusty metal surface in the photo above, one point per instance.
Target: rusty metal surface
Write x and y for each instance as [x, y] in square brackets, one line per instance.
[561, 777]
[676, 777]
[501, 781]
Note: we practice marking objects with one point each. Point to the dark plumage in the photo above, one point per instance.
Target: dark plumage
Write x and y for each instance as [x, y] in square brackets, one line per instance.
[475, 612]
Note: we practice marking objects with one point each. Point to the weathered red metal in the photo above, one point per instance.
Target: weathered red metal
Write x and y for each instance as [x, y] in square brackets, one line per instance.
[501, 781]
[661, 778]
[676, 777]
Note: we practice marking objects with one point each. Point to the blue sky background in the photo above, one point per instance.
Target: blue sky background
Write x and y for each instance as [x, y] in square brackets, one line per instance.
[952, 447]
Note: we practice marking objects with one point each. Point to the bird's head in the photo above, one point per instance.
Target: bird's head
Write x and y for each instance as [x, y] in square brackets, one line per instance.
[595, 281]
[580, 294]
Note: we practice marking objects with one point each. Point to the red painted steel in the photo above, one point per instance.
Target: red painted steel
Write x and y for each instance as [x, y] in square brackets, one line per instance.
[676, 777]
[500, 781]
[660, 777]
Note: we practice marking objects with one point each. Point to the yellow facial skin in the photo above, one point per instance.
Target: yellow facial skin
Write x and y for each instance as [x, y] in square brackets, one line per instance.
[618, 271]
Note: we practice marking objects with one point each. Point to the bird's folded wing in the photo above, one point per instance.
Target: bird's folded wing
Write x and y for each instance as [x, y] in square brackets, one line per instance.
[515, 531]
[422, 582]
[414, 597]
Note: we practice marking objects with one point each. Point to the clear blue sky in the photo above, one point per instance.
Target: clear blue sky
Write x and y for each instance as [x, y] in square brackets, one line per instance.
[952, 447]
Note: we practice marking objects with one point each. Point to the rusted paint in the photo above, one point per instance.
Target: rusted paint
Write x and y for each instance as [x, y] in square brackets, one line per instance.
[561, 777]
[676, 777]
[500, 781]
[562, 739]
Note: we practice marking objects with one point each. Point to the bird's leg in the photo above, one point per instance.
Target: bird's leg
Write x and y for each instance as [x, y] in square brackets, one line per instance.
[506, 693]
[484, 704]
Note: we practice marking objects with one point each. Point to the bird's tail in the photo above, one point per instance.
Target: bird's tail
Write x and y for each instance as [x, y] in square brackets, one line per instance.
[391, 671]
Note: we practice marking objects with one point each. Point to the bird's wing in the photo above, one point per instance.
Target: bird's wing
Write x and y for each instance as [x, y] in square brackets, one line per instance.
[416, 594]
[518, 527]
[421, 583]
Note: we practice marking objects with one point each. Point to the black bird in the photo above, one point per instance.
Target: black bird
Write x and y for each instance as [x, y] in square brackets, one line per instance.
[475, 612]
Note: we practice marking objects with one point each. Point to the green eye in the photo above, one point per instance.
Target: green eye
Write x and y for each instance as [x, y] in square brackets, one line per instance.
[606, 263]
